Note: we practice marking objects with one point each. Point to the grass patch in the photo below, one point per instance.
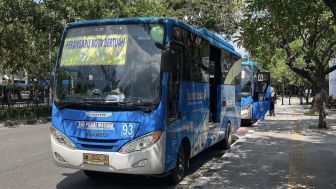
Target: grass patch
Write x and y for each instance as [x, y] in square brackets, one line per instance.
[309, 113]
[25, 113]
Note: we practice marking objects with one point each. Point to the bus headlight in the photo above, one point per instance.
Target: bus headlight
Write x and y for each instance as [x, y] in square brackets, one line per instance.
[141, 143]
[61, 139]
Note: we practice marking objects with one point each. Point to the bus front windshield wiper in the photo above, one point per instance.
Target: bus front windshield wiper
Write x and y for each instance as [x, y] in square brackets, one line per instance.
[102, 103]
[68, 104]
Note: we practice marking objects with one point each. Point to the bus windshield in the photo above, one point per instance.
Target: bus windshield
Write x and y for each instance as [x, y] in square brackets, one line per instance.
[111, 65]
[246, 82]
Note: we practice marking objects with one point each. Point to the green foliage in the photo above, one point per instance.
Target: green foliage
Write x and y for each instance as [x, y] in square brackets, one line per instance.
[280, 72]
[24, 45]
[22, 113]
[304, 30]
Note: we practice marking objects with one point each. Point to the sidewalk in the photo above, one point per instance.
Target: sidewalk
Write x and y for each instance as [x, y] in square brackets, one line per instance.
[12, 123]
[285, 151]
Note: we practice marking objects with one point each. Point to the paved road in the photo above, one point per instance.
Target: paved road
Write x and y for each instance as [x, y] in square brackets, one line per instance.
[25, 162]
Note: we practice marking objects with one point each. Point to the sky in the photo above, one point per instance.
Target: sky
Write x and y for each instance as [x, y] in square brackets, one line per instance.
[241, 50]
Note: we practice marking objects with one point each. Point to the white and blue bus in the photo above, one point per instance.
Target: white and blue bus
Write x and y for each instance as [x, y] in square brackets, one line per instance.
[142, 96]
[256, 92]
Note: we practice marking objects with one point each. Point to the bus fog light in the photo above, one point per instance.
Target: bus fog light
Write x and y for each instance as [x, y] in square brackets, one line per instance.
[59, 157]
[141, 163]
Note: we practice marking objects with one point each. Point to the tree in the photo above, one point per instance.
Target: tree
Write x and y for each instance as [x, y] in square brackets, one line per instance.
[20, 41]
[332, 5]
[217, 15]
[272, 24]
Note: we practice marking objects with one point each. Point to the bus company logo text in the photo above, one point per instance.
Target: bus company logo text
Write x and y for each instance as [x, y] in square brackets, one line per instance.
[95, 125]
[98, 114]
[96, 134]
[197, 95]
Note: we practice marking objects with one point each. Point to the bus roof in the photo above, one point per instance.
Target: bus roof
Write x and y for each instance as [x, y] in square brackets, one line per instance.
[202, 32]
[252, 63]
[249, 63]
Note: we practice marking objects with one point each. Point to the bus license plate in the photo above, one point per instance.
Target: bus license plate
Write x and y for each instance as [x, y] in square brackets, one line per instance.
[97, 159]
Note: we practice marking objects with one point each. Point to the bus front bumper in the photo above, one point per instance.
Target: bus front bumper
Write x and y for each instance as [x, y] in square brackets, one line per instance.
[151, 160]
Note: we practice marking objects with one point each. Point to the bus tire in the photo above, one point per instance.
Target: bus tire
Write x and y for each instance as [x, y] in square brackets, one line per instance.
[93, 174]
[246, 123]
[177, 174]
[228, 137]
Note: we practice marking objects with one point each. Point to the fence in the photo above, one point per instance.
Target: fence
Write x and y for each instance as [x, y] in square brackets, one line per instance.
[17, 96]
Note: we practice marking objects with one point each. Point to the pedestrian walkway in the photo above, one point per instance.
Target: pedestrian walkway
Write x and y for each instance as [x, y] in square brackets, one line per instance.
[282, 151]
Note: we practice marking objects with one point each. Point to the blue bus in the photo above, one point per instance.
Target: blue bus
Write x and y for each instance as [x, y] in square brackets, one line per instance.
[255, 91]
[142, 96]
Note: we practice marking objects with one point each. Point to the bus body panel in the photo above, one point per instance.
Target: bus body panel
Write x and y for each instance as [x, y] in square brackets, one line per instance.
[193, 108]
[194, 124]
[260, 108]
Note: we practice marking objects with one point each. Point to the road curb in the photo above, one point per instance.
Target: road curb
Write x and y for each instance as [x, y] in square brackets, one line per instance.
[15, 123]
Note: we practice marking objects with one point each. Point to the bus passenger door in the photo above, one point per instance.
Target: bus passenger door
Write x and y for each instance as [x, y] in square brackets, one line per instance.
[214, 94]
[214, 81]
[173, 113]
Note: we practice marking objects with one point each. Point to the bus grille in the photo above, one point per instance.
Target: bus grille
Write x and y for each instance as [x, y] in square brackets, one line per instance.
[98, 144]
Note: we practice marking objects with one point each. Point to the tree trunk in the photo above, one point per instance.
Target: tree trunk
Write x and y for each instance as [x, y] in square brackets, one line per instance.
[301, 94]
[307, 97]
[319, 106]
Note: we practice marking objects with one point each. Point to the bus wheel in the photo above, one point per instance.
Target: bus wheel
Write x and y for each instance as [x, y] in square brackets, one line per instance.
[93, 174]
[228, 137]
[177, 173]
[247, 123]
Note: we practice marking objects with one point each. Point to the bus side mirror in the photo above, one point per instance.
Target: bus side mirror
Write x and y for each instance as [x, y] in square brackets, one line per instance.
[169, 61]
